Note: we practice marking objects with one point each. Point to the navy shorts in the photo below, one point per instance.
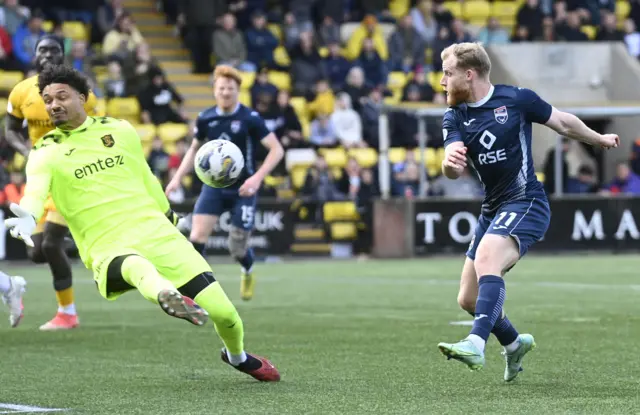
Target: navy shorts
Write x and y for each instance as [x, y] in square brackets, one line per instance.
[526, 221]
[215, 202]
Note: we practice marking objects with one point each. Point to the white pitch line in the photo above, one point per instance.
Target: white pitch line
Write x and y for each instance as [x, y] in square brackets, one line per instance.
[21, 409]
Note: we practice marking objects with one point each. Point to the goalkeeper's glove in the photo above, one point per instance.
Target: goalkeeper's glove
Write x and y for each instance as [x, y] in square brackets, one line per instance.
[22, 226]
[173, 217]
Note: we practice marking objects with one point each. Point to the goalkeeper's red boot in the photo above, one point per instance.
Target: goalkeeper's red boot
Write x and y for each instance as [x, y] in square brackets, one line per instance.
[257, 367]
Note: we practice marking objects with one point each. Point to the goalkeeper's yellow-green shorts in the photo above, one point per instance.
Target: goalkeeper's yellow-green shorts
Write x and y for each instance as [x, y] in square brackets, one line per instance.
[174, 257]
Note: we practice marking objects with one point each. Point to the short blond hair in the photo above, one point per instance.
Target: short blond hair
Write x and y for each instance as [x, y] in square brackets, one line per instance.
[469, 56]
[226, 71]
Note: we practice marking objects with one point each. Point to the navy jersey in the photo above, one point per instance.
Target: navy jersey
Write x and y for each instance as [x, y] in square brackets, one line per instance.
[244, 128]
[497, 134]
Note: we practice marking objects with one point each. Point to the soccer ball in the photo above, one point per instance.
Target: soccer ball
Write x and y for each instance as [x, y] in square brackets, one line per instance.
[219, 163]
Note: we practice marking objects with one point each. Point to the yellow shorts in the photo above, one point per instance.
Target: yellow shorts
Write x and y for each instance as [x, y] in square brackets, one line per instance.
[50, 215]
[174, 257]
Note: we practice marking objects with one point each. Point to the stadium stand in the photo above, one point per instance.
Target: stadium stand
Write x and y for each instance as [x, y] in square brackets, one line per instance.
[133, 40]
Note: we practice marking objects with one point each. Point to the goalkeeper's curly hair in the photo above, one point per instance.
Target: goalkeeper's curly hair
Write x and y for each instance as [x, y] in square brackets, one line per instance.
[63, 74]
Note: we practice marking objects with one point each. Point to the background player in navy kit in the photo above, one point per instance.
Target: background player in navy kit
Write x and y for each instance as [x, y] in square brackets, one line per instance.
[489, 129]
[230, 120]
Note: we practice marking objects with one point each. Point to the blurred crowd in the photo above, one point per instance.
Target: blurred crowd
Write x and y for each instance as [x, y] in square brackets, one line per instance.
[319, 72]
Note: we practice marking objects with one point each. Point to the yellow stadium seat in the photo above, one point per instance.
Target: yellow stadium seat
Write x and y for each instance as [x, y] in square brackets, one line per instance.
[590, 31]
[392, 100]
[281, 56]
[454, 7]
[282, 80]
[476, 11]
[335, 157]
[124, 108]
[3, 106]
[47, 26]
[276, 30]
[434, 81]
[323, 52]
[622, 10]
[101, 107]
[505, 11]
[299, 105]
[306, 127]
[146, 148]
[430, 160]
[540, 177]
[339, 211]
[336, 173]
[343, 231]
[99, 69]
[366, 157]
[248, 78]
[245, 98]
[75, 30]
[9, 79]
[399, 8]
[147, 132]
[397, 80]
[298, 175]
[172, 132]
[397, 154]
[439, 156]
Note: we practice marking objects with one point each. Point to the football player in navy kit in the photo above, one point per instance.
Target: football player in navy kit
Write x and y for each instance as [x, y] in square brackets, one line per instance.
[230, 120]
[488, 129]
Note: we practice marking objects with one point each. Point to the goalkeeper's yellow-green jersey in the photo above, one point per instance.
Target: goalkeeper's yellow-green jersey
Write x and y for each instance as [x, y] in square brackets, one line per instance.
[102, 185]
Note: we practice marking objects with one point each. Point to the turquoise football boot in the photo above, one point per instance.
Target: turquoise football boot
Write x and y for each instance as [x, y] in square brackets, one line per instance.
[514, 359]
[464, 351]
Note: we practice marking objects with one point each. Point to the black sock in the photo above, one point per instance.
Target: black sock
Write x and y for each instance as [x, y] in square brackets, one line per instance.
[200, 247]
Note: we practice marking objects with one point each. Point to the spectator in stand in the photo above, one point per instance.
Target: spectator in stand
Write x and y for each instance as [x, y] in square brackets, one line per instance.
[122, 41]
[560, 13]
[465, 187]
[608, 31]
[158, 159]
[443, 41]
[493, 33]
[115, 86]
[15, 189]
[176, 158]
[229, 47]
[336, 67]
[262, 86]
[550, 168]
[632, 38]
[377, 8]
[292, 30]
[406, 177]
[12, 16]
[79, 58]
[306, 65]
[405, 124]
[521, 35]
[634, 157]
[370, 117]
[356, 88]
[322, 132]
[324, 101]
[156, 101]
[375, 69]
[634, 13]
[7, 63]
[179, 195]
[198, 18]
[625, 183]
[260, 41]
[301, 9]
[243, 9]
[459, 32]
[584, 183]
[367, 191]
[320, 184]
[369, 29]
[25, 39]
[328, 32]
[442, 15]
[346, 123]
[548, 31]
[406, 47]
[105, 19]
[571, 30]
[349, 183]
[424, 21]
[421, 82]
[287, 126]
[137, 69]
[530, 16]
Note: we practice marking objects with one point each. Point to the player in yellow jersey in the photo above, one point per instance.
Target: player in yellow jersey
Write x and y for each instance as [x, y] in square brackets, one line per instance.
[25, 103]
[120, 219]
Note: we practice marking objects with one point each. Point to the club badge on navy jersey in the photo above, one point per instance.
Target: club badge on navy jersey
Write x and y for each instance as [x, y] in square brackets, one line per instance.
[235, 126]
[501, 114]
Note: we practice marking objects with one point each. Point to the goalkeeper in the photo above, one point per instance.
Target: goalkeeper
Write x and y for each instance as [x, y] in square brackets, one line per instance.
[120, 219]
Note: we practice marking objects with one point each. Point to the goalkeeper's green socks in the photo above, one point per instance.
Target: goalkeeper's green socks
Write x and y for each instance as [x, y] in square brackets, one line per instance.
[140, 273]
[226, 320]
